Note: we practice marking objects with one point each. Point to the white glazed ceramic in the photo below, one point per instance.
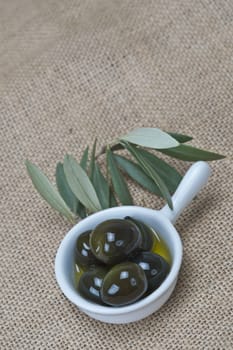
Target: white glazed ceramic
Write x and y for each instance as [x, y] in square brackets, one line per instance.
[162, 221]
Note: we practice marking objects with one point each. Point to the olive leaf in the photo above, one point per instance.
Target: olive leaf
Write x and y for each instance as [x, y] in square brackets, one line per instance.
[119, 184]
[170, 175]
[81, 210]
[92, 161]
[191, 154]
[146, 166]
[103, 190]
[151, 138]
[137, 174]
[64, 189]
[80, 184]
[112, 198]
[180, 137]
[48, 191]
[84, 159]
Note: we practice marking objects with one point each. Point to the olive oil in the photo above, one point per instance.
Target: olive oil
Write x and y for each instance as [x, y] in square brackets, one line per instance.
[160, 248]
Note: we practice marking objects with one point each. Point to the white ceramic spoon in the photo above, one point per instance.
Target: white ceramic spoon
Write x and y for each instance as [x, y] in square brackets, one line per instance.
[162, 221]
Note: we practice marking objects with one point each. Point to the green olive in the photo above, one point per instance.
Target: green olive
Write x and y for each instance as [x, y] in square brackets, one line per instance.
[113, 240]
[148, 234]
[155, 267]
[124, 284]
[83, 254]
[90, 283]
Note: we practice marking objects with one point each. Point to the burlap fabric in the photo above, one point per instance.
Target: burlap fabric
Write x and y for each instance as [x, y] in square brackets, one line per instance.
[72, 70]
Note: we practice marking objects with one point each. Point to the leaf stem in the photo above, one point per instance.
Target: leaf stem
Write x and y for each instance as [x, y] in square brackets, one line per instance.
[104, 148]
[102, 151]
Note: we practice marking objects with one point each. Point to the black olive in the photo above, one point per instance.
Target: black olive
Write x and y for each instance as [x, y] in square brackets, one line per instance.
[83, 254]
[149, 237]
[124, 284]
[90, 283]
[113, 240]
[155, 267]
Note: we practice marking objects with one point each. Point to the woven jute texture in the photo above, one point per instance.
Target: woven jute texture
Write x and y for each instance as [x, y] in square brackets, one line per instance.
[72, 70]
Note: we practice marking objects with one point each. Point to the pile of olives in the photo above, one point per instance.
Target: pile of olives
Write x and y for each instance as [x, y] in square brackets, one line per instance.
[118, 263]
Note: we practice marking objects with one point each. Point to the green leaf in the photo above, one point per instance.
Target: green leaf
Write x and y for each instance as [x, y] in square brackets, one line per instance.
[191, 154]
[119, 184]
[112, 198]
[146, 166]
[84, 159]
[81, 210]
[150, 137]
[113, 202]
[64, 189]
[92, 161]
[48, 191]
[71, 200]
[170, 175]
[80, 184]
[180, 137]
[102, 188]
[136, 173]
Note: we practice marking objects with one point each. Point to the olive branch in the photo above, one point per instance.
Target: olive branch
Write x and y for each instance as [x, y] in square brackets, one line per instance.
[82, 189]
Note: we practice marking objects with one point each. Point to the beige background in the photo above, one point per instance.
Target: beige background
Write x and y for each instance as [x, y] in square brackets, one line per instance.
[72, 70]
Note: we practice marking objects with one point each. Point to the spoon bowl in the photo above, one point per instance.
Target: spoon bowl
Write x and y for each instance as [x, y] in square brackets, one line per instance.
[161, 221]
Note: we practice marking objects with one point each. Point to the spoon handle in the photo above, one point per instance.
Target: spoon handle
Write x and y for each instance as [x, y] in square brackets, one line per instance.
[193, 181]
